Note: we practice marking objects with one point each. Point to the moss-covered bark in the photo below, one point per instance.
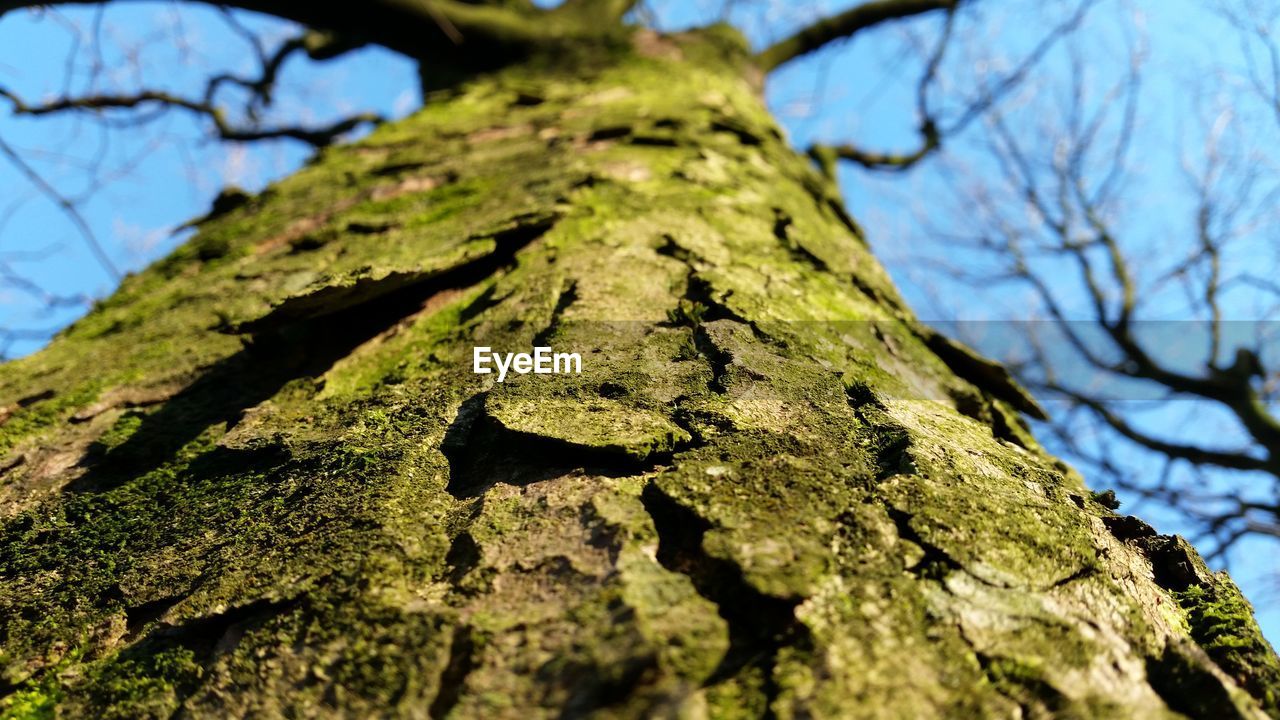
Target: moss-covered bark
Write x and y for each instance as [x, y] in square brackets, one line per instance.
[261, 479]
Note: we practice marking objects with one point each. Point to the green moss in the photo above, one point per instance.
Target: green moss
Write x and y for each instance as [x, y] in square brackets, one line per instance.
[123, 429]
[149, 685]
[758, 496]
[1222, 624]
[34, 704]
[31, 421]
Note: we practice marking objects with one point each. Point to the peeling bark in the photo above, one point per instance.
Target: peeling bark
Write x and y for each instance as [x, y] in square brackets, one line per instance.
[770, 492]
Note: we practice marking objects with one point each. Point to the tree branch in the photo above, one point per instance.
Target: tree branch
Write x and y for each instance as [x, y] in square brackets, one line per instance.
[931, 140]
[66, 205]
[1190, 453]
[932, 131]
[846, 24]
[316, 44]
[12, 279]
[472, 35]
[318, 137]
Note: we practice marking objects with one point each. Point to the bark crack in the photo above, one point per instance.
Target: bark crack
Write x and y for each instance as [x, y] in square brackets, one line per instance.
[482, 453]
[208, 637]
[1007, 678]
[295, 341]
[737, 129]
[718, 359]
[1084, 573]
[935, 563]
[824, 195]
[986, 375]
[462, 661]
[760, 625]
[698, 303]
[1191, 684]
[892, 451]
[567, 297]
[782, 224]
[381, 301]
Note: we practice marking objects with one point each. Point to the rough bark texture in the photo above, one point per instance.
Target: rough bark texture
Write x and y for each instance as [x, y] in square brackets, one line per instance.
[261, 479]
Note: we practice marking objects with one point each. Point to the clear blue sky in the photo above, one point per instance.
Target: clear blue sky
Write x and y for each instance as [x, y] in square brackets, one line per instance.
[165, 173]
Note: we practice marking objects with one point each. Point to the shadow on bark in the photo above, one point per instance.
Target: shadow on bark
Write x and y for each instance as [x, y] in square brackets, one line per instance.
[282, 348]
[759, 625]
[482, 453]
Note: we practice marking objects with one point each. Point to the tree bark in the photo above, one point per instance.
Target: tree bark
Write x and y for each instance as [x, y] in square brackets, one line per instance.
[262, 478]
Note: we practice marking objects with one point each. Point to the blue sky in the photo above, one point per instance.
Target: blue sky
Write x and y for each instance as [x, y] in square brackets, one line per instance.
[165, 173]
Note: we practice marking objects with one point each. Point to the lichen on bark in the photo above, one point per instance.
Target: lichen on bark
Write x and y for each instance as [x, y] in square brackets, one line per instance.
[261, 479]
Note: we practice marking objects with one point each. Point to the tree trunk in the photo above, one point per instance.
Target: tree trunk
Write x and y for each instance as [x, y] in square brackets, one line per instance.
[263, 479]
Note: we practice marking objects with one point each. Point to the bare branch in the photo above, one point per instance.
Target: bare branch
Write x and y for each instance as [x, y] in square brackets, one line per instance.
[932, 128]
[1049, 216]
[468, 35]
[317, 45]
[68, 207]
[318, 137]
[1190, 453]
[844, 25]
[13, 279]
